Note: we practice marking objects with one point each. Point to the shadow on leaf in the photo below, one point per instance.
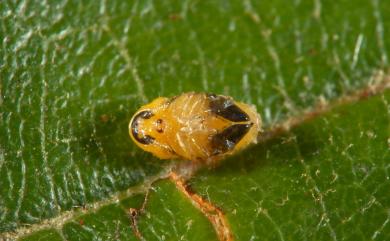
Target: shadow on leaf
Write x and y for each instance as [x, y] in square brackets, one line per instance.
[108, 158]
[107, 138]
[284, 149]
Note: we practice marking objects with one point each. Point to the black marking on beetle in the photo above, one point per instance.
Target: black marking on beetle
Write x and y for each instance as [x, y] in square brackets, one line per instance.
[146, 114]
[159, 129]
[226, 108]
[146, 140]
[229, 137]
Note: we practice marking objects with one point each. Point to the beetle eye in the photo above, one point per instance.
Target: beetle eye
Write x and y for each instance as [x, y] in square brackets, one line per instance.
[146, 140]
[145, 114]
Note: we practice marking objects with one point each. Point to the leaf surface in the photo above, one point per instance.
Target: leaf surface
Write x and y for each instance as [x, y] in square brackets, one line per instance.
[72, 74]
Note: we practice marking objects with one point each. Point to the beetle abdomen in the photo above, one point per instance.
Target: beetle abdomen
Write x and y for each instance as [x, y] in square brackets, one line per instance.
[209, 126]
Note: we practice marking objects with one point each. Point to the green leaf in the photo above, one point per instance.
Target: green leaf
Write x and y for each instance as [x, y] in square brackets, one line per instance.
[327, 179]
[72, 74]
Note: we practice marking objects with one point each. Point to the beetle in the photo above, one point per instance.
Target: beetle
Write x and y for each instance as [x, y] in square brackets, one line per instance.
[199, 127]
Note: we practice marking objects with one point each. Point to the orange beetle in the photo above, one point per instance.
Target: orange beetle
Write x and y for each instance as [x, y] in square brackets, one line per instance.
[195, 126]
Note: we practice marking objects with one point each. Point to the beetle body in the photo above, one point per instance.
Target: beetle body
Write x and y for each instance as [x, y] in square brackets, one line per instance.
[195, 126]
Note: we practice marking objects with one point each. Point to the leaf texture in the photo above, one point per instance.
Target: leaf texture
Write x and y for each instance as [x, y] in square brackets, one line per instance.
[72, 74]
